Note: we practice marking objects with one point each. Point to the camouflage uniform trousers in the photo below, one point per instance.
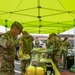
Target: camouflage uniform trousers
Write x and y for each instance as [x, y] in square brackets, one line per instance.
[64, 58]
[24, 64]
[56, 58]
[9, 72]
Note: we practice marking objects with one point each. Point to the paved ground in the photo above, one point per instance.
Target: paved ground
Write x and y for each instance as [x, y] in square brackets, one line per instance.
[17, 68]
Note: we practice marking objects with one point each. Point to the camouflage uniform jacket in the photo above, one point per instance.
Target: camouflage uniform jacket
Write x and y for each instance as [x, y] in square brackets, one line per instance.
[24, 43]
[56, 50]
[30, 45]
[65, 45]
[56, 44]
[7, 52]
[49, 42]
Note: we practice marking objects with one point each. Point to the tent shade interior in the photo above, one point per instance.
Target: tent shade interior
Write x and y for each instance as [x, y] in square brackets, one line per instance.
[39, 16]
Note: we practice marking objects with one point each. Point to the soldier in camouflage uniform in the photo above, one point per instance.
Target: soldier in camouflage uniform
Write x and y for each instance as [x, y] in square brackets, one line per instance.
[48, 42]
[65, 45]
[23, 42]
[23, 45]
[7, 49]
[56, 49]
[30, 42]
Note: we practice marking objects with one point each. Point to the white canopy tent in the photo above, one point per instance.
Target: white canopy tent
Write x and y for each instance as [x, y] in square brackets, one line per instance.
[69, 32]
[3, 29]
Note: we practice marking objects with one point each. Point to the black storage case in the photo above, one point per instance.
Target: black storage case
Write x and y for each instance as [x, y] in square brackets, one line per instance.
[70, 61]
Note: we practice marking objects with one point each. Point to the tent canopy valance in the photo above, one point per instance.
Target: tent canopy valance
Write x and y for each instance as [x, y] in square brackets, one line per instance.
[39, 16]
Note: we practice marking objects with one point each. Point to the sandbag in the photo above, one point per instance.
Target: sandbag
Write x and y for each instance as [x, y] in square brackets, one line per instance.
[31, 70]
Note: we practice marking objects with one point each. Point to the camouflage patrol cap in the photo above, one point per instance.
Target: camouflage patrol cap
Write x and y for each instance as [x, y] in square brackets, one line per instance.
[66, 37]
[24, 32]
[18, 25]
[53, 34]
[30, 36]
